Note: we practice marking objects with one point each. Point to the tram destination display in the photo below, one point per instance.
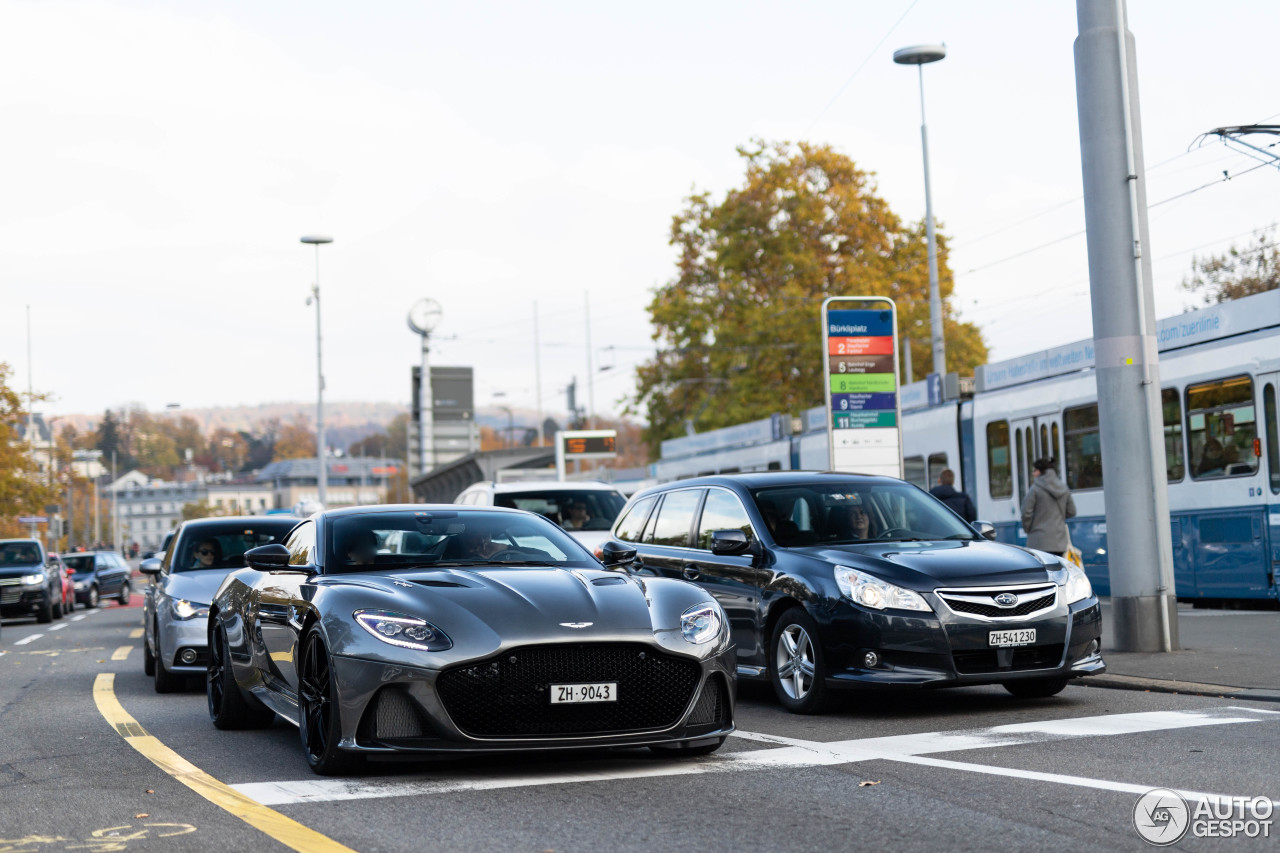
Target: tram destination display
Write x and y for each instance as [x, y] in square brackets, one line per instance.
[860, 347]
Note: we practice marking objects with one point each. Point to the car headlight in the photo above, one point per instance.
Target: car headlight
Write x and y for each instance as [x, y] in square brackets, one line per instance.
[1077, 587]
[184, 610]
[33, 579]
[701, 624]
[872, 592]
[408, 632]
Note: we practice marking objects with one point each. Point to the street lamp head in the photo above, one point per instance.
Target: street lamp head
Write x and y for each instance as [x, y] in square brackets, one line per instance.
[920, 54]
[316, 239]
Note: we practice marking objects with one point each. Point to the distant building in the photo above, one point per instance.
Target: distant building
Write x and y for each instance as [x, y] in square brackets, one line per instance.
[151, 508]
[352, 480]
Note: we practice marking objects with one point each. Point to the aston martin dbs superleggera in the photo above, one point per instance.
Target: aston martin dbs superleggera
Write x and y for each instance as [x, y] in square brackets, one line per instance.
[400, 629]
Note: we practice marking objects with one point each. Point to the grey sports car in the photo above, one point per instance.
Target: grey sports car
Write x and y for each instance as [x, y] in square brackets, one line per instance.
[388, 630]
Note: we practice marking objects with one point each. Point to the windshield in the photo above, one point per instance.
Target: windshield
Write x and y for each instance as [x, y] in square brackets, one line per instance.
[222, 546]
[838, 513]
[375, 540]
[82, 563]
[582, 509]
[19, 554]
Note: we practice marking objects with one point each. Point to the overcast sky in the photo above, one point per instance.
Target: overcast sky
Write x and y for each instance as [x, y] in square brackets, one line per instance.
[161, 160]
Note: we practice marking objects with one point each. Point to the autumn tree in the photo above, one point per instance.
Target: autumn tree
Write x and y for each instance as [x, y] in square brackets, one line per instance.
[390, 442]
[738, 327]
[295, 441]
[1237, 272]
[22, 490]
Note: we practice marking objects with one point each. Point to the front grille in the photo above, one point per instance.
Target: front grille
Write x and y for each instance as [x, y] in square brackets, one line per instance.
[509, 696]
[10, 596]
[962, 602]
[10, 581]
[712, 705]
[1024, 657]
[392, 714]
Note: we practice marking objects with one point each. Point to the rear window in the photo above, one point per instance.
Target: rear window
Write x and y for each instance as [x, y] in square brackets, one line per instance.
[222, 546]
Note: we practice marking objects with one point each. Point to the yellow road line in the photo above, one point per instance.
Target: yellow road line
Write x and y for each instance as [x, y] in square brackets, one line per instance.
[135, 634]
[121, 653]
[287, 831]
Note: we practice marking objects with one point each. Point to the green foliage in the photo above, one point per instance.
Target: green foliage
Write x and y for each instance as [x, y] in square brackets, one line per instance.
[740, 325]
[1237, 272]
[198, 509]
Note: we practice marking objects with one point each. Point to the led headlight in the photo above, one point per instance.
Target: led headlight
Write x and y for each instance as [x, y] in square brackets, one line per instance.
[408, 632]
[701, 624]
[184, 610]
[1077, 587]
[34, 579]
[872, 592]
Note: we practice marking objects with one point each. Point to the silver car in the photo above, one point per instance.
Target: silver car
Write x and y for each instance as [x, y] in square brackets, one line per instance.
[203, 552]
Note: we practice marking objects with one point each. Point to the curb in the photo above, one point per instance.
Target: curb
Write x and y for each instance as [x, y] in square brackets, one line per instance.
[1190, 688]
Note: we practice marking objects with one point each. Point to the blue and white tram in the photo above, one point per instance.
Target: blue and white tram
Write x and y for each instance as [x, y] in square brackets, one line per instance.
[1220, 376]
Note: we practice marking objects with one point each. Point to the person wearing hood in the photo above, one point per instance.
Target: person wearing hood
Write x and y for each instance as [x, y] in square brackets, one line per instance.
[946, 492]
[1046, 508]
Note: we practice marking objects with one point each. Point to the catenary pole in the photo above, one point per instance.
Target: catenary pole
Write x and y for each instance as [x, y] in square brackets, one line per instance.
[1130, 416]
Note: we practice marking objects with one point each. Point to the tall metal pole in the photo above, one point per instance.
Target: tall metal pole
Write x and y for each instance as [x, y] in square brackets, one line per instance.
[426, 413]
[1130, 416]
[537, 373]
[935, 297]
[97, 514]
[31, 411]
[322, 474]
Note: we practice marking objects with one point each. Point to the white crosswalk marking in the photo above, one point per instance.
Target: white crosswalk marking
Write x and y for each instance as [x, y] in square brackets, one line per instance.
[793, 753]
[59, 626]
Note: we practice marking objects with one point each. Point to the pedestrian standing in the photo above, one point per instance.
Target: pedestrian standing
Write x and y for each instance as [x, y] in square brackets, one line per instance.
[946, 492]
[1046, 508]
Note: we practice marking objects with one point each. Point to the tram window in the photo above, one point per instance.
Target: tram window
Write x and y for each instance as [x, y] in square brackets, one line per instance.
[1022, 468]
[1053, 451]
[999, 469]
[1273, 439]
[1083, 447]
[1221, 427]
[1045, 451]
[937, 464]
[913, 469]
[1172, 434]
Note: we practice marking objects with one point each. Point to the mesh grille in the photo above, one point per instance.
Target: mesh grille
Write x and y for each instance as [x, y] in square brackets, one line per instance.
[1027, 657]
[711, 704]
[392, 714]
[510, 695]
[1024, 607]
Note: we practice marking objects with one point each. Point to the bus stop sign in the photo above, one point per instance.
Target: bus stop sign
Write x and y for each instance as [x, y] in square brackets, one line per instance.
[860, 349]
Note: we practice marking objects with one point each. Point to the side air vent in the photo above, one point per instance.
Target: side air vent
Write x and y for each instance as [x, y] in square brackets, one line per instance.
[608, 581]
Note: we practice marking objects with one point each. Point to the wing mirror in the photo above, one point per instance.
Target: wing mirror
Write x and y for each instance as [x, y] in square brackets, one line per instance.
[268, 558]
[614, 554]
[985, 529]
[150, 566]
[727, 542]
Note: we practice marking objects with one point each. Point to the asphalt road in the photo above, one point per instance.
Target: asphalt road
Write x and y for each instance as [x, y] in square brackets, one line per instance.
[969, 769]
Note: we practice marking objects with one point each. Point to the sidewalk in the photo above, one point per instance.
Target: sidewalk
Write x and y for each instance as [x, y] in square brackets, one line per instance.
[1223, 653]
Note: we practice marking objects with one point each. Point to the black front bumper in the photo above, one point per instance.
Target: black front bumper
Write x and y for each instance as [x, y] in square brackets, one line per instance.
[946, 649]
[19, 601]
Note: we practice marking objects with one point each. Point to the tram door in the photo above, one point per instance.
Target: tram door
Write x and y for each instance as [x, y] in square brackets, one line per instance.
[1270, 435]
[1034, 437]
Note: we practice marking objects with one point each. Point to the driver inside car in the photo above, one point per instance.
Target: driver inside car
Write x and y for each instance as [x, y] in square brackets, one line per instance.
[849, 521]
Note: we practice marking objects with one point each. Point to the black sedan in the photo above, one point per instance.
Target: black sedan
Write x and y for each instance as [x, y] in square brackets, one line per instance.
[836, 581]
[418, 629]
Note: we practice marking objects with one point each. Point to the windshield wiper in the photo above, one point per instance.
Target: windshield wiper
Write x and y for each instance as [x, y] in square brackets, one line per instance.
[966, 536]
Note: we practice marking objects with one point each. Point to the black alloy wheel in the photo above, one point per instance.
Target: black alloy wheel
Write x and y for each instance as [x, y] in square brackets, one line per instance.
[148, 659]
[680, 750]
[123, 597]
[44, 613]
[1036, 688]
[319, 720]
[57, 607]
[91, 598]
[796, 666]
[228, 708]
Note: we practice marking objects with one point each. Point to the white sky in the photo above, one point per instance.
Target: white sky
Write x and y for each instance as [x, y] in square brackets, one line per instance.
[160, 161]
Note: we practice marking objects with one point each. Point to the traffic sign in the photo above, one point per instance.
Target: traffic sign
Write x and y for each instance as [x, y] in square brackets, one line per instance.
[584, 444]
[33, 519]
[860, 340]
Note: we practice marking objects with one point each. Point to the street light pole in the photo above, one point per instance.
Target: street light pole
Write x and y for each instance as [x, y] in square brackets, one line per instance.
[322, 475]
[918, 56]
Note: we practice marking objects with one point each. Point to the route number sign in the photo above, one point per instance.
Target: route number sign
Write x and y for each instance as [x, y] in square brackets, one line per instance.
[860, 350]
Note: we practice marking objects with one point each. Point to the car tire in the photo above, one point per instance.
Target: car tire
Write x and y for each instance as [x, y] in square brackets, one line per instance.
[123, 597]
[319, 716]
[1036, 688]
[57, 609]
[44, 613]
[228, 708]
[675, 750]
[148, 659]
[796, 666]
[91, 597]
[166, 681]
[69, 606]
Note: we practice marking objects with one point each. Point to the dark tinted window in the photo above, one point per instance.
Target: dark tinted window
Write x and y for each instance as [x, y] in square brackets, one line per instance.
[722, 511]
[81, 563]
[840, 512]
[1172, 406]
[999, 467]
[222, 545]
[632, 524]
[601, 506]
[675, 518]
[1084, 448]
[376, 541]
[19, 554]
[1273, 436]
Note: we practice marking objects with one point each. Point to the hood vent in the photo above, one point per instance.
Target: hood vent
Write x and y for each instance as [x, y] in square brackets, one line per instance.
[431, 582]
[608, 581]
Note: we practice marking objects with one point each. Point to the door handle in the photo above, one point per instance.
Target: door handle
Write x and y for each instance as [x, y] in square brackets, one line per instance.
[690, 572]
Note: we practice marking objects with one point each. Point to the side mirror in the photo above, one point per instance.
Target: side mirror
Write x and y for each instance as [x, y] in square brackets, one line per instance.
[149, 567]
[985, 529]
[268, 558]
[70, 571]
[726, 542]
[616, 554]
